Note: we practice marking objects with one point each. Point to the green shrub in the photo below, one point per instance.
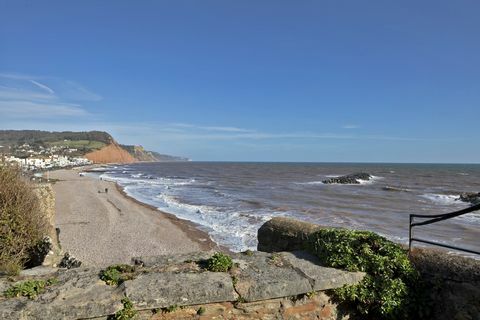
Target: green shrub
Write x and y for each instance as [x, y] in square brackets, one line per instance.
[387, 291]
[170, 309]
[127, 313]
[248, 252]
[22, 222]
[117, 274]
[30, 288]
[219, 262]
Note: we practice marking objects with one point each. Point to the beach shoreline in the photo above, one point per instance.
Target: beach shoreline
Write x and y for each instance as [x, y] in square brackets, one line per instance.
[190, 228]
[101, 225]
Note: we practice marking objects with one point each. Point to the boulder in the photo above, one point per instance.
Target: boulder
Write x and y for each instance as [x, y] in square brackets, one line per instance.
[470, 197]
[284, 234]
[348, 179]
[69, 261]
[395, 189]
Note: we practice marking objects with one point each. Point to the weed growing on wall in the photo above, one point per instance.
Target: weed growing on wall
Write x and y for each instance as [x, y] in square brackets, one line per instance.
[386, 292]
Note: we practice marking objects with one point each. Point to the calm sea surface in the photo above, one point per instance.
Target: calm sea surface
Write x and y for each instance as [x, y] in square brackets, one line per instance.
[232, 200]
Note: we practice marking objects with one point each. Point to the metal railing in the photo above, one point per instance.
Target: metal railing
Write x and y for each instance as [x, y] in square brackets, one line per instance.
[437, 218]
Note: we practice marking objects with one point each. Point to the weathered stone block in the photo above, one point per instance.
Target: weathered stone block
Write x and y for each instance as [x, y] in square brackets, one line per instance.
[160, 290]
[171, 259]
[79, 294]
[264, 276]
[321, 278]
[284, 234]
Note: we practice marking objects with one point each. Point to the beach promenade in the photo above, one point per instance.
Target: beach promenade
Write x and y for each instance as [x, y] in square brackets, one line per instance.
[102, 228]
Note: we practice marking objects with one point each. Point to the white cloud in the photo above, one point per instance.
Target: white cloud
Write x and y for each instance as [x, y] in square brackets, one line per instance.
[350, 126]
[9, 93]
[42, 86]
[16, 76]
[29, 109]
[210, 128]
[34, 97]
[184, 132]
[76, 91]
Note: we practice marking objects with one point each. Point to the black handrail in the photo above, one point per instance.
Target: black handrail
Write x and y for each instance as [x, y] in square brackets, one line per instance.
[437, 218]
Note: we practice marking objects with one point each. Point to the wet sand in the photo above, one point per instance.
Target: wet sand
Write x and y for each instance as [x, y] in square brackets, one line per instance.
[102, 228]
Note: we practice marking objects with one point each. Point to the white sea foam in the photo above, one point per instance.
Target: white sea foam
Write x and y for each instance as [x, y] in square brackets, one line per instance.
[237, 230]
[309, 183]
[442, 199]
[232, 228]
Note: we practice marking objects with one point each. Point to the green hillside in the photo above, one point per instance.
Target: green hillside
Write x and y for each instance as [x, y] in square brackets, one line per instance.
[37, 137]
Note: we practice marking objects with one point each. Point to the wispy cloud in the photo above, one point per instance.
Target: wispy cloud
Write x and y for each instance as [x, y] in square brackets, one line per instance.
[76, 91]
[350, 126]
[25, 109]
[42, 86]
[210, 128]
[183, 132]
[31, 97]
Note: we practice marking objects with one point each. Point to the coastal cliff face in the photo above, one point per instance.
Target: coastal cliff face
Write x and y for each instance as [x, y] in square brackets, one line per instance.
[97, 146]
[111, 153]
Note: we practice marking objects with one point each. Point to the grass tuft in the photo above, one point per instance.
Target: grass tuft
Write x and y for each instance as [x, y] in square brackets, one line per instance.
[127, 313]
[117, 274]
[30, 289]
[219, 262]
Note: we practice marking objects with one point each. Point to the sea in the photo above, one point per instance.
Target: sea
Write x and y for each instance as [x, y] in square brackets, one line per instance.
[230, 201]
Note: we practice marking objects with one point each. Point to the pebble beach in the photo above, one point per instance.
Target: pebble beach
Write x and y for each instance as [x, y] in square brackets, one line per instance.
[101, 226]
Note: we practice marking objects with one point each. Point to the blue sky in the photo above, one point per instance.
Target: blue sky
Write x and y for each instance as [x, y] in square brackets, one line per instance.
[373, 81]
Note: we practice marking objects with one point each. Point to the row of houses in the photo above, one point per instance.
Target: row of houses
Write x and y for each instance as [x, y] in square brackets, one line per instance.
[54, 161]
[39, 150]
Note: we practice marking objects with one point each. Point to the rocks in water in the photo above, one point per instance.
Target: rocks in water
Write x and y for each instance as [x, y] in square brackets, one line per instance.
[69, 261]
[349, 179]
[471, 197]
[398, 189]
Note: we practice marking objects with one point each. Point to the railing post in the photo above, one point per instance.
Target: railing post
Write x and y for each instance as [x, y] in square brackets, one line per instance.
[410, 235]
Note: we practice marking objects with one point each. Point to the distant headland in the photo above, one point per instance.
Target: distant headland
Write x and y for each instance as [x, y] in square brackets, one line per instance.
[35, 149]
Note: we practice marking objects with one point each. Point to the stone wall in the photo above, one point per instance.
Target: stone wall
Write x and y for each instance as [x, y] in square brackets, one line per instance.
[259, 285]
[314, 307]
[453, 282]
[46, 195]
